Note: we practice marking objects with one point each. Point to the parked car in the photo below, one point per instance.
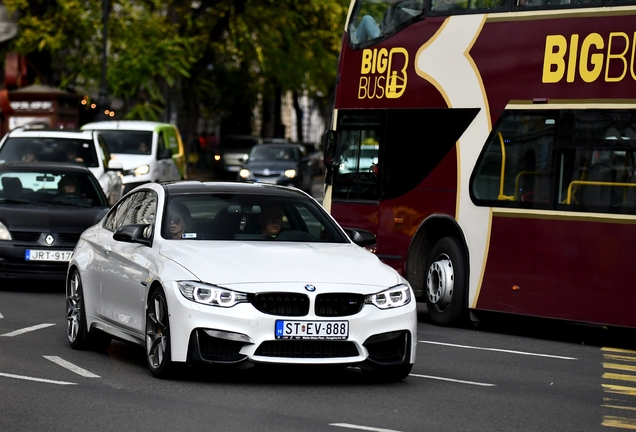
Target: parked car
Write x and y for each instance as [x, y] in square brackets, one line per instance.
[231, 153]
[44, 207]
[84, 148]
[188, 271]
[149, 151]
[281, 164]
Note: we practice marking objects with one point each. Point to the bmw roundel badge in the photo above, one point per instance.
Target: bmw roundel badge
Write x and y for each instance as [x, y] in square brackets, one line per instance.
[310, 288]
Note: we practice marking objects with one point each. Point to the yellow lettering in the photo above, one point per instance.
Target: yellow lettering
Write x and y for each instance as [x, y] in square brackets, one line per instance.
[574, 47]
[379, 87]
[620, 56]
[633, 52]
[595, 59]
[366, 61]
[554, 58]
[362, 89]
[375, 52]
[396, 83]
[382, 60]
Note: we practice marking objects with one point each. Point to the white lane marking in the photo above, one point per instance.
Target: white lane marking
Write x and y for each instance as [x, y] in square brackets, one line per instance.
[25, 330]
[366, 428]
[36, 379]
[500, 350]
[1, 316]
[454, 380]
[70, 366]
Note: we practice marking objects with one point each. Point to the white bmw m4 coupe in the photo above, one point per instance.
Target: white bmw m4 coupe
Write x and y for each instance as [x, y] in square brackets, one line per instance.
[238, 274]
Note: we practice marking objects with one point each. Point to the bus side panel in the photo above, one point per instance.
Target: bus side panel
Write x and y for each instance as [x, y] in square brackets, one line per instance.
[356, 215]
[401, 217]
[565, 269]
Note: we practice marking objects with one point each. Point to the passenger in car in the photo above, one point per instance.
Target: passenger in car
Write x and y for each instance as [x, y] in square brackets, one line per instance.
[271, 220]
[178, 220]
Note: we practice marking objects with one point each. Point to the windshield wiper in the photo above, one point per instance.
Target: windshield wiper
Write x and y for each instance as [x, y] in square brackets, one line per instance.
[14, 201]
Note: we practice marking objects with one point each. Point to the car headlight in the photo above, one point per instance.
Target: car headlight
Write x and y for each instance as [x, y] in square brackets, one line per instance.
[245, 173]
[210, 294]
[290, 173]
[397, 296]
[139, 171]
[4, 232]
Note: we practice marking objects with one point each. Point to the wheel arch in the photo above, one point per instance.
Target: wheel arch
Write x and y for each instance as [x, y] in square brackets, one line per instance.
[430, 231]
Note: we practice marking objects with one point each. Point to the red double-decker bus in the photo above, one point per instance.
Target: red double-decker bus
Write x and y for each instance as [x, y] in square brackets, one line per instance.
[490, 147]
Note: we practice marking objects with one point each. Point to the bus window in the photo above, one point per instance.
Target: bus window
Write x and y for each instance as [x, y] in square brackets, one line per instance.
[517, 165]
[374, 20]
[356, 176]
[598, 173]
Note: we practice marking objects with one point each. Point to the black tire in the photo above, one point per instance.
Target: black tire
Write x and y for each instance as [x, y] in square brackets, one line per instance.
[158, 335]
[76, 331]
[388, 374]
[445, 283]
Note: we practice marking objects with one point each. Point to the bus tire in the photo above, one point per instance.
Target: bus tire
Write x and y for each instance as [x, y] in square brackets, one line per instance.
[446, 283]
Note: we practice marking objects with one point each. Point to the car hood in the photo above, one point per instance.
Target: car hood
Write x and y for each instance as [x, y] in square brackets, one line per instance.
[228, 262]
[271, 165]
[45, 218]
[130, 161]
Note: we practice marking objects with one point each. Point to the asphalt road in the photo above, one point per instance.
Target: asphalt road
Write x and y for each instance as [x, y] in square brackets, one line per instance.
[500, 375]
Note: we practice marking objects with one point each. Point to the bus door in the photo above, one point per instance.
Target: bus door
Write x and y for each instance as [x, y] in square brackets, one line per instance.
[354, 175]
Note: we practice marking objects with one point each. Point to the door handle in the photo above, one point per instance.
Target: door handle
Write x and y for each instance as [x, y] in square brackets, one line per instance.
[107, 248]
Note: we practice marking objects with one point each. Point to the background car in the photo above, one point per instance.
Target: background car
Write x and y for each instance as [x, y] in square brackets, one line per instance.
[149, 151]
[231, 153]
[84, 148]
[281, 164]
[188, 271]
[41, 220]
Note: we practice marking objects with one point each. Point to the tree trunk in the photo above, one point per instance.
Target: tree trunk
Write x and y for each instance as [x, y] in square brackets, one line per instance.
[300, 116]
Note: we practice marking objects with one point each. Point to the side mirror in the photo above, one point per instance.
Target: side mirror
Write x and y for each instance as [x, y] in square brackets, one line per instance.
[360, 237]
[115, 165]
[329, 141]
[166, 154]
[137, 233]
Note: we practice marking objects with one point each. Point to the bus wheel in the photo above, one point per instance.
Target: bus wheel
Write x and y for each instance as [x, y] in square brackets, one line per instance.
[445, 285]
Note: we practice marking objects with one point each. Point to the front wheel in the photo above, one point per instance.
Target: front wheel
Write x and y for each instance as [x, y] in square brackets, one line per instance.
[446, 283]
[158, 335]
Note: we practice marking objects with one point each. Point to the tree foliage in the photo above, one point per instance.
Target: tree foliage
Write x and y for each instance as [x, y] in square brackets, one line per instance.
[217, 55]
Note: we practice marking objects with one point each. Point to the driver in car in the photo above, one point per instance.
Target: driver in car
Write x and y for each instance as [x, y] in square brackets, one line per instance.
[271, 220]
[69, 192]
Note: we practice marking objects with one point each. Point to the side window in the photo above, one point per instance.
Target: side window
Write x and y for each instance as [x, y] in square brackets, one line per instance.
[356, 177]
[115, 217]
[567, 160]
[517, 165]
[142, 210]
[161, 146]
[104, 152]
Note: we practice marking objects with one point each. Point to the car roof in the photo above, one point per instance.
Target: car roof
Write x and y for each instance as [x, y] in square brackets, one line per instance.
[194, 186]
[133, 125]
[48, 166]
[51, 133]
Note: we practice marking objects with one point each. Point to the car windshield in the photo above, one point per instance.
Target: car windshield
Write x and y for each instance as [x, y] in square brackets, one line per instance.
[272, 153]
[47, 187]
[128, 142]
[49, 149]
[249, 217]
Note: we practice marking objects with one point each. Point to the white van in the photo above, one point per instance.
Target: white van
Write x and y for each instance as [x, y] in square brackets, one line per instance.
[149, 151]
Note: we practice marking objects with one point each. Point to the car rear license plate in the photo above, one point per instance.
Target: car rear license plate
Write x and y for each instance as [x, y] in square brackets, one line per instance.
[312, 329]
[47, 255]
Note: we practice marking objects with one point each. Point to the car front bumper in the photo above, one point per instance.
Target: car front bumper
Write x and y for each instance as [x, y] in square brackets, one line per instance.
[232, 336]
[13, 264]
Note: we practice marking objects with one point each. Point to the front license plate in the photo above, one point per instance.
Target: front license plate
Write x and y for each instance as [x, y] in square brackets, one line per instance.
[312, 329]
[266, 180]
[47, 255]
[233, 168]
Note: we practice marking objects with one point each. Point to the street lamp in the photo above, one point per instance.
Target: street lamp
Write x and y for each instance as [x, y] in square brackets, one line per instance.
[102, 101]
